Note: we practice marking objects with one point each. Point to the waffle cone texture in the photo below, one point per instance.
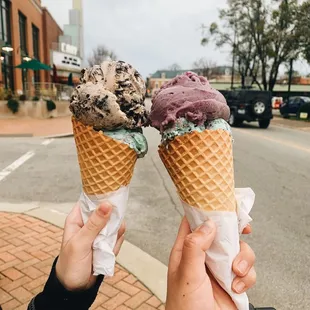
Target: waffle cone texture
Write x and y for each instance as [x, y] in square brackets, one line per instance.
[105, 164]
[201, 167]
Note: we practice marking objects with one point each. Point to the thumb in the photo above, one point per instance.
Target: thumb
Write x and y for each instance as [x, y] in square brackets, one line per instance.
[196, 244]
[96, 222]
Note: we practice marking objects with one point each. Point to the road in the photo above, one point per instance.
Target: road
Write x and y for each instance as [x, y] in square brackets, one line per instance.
[274, 162]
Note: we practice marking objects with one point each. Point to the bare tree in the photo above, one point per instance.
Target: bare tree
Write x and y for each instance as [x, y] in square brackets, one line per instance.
[205, 66]
[100, 54]
[263, 35]
[175, 67]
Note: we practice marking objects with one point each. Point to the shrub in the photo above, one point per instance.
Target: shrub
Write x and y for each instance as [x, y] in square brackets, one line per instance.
[9, 94]
[35, 98]
[22, 98]
[2, 93]
[305, 108]
[50, 105]
[13, 105]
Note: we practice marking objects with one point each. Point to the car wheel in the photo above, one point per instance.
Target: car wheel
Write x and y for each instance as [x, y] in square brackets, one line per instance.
[233, 121]
[259, 107]
[264, 123]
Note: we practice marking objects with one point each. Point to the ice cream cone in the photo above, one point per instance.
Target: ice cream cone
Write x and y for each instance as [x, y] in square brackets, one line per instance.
[105, 164]
[201, 167]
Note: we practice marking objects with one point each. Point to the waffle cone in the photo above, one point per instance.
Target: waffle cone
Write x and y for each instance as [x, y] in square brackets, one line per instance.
[105, 164]
[201, 167]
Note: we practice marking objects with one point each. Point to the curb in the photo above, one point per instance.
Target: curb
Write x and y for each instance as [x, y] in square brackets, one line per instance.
[17, 135]
[148, 270]
[63, 135]
[30, 135]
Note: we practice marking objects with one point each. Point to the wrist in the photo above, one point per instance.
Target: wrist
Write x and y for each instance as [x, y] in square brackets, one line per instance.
[57, 296]
[60, 275]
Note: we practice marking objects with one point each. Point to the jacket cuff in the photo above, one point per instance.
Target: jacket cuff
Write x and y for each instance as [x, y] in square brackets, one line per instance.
[55, 296]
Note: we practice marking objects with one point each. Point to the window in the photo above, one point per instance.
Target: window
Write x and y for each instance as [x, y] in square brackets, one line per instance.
[35, 40]
[5, 29]
[23, 43]
[36, 50]
[23, 32]
[5, 36]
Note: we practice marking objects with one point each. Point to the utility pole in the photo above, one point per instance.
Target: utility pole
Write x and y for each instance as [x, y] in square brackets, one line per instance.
[234, 59]
[290, 79]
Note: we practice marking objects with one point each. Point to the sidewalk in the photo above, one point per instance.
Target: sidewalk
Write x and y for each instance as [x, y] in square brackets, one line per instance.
[278, 120]
[28, 247]
[35, 127]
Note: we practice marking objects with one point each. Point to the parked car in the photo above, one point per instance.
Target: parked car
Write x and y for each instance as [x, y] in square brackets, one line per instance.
[250, 106]
[293, 105]
[276, 102]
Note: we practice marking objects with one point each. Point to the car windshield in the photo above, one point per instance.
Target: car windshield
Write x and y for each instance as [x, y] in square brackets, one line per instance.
[306, 99]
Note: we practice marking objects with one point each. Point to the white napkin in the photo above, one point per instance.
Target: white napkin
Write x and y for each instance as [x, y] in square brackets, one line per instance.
[225, 248]
[103, 256]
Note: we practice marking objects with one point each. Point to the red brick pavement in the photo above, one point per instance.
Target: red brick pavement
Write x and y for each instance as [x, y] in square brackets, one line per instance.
[28, 247]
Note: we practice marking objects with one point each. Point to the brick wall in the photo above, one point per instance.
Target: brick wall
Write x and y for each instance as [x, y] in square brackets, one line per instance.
[51, 32]
[34, 16]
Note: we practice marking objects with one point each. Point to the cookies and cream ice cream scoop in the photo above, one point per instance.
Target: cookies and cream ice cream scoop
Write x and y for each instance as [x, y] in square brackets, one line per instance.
[110, 96]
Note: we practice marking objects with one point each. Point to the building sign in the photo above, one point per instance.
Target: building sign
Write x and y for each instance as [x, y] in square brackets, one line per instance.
[69, 49]
[67, 62]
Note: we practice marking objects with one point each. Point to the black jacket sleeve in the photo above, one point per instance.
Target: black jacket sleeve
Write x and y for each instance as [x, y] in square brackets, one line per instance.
[56, 297]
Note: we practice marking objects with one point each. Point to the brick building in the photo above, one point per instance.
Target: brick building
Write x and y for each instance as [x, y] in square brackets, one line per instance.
[26, 31]
[51, 36]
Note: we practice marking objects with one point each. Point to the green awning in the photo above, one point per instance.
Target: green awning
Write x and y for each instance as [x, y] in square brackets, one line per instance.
[33, 64]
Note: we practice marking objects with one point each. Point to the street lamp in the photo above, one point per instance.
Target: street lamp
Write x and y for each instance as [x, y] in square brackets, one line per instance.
[27, 58]
[7, 48]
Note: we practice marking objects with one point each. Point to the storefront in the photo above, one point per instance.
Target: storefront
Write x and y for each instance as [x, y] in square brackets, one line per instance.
[27, 32]
[7, 71]
[66, 62]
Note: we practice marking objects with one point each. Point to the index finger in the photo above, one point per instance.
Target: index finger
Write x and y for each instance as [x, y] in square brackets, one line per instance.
[96, 222]
[176, 252]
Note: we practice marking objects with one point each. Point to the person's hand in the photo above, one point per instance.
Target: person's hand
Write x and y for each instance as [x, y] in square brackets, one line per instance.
[74, 265]
[190, 284]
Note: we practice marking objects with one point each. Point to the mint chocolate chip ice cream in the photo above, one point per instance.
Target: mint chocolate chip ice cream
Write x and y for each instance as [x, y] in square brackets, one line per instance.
[134, 139]
[182, 126]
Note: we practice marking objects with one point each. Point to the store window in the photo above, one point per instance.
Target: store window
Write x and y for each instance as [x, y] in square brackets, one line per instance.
[23, 44]
[36, 50]
[7, 77]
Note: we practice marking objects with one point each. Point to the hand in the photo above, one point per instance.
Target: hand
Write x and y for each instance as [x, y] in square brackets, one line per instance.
[190, 284]
[74, 265]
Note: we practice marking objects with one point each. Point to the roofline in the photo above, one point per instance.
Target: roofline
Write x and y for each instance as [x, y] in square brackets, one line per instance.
[49, 13]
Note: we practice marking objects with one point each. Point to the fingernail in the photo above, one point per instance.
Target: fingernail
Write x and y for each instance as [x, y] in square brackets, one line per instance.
[206, 227]
[104, 208]
[243, 266]
[239, 287]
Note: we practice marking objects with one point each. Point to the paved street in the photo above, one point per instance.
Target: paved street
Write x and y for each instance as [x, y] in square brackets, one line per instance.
[274, 162]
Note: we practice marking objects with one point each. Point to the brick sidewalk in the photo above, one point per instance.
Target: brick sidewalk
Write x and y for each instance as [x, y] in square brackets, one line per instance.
[36, 127]
[28, 247]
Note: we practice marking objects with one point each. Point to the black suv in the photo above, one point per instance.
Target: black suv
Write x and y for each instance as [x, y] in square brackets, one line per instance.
[250, 106]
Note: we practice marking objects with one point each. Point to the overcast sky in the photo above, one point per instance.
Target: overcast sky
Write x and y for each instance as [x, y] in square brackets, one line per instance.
[149, 34]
